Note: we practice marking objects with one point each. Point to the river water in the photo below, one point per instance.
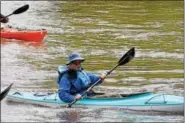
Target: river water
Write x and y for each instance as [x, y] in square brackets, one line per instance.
[102, 31]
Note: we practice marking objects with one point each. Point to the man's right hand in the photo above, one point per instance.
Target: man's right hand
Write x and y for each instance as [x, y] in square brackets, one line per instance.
[78, 96]
[102, 76]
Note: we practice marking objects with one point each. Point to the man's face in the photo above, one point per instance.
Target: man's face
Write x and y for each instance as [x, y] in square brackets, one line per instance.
[76, 65]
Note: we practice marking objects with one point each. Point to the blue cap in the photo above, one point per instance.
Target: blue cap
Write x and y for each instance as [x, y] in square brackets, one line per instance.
[74, 56]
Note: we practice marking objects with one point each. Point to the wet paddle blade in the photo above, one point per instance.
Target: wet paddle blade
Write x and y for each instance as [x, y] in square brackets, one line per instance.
[19, 10]
[127, 57]
[22, 9]
[5, 92]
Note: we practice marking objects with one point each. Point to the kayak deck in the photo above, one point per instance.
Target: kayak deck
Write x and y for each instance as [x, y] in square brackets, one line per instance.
[140, 101]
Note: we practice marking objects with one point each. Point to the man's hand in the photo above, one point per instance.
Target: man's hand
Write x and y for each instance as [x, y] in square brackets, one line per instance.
[102, 76]
[78, 96]
[4, 20]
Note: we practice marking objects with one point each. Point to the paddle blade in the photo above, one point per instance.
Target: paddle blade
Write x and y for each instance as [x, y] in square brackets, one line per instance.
[5, 92]
[21, 9]
[127, 57]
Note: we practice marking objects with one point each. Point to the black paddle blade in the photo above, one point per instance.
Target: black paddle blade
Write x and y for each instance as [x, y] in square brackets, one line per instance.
[5, 92]
[127, 57]
[21, 9]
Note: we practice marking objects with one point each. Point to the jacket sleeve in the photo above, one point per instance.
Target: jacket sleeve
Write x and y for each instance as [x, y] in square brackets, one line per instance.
[64, 90]
[94, 78]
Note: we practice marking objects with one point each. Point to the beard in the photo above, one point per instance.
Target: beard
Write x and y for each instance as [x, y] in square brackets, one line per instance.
[72, 74]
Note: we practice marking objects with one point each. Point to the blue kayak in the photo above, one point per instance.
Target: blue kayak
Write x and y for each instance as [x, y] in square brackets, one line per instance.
[146, 101]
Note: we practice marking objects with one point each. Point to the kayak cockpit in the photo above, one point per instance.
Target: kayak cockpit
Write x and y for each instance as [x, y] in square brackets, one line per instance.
[106, 95]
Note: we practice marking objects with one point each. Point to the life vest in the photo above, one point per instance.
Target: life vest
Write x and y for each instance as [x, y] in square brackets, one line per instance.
[82, 75]
[84, 78]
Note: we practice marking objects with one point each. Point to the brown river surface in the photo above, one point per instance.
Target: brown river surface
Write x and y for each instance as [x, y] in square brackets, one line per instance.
[102, 31]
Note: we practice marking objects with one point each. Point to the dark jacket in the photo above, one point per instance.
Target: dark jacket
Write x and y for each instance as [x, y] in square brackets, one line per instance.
[72, 83]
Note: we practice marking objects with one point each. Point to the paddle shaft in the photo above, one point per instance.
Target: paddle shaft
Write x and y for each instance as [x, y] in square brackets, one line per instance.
[8, 15]
[125, 59]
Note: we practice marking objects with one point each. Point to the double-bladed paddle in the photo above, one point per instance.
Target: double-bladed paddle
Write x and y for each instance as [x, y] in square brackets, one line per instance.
[19, 10]
[124, 60]
[5, 92]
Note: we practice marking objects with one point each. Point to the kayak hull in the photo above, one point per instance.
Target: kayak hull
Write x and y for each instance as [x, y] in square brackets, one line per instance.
[36, 36]
[141, 102]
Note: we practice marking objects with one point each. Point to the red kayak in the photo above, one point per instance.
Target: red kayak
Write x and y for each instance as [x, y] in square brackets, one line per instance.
[25, 35]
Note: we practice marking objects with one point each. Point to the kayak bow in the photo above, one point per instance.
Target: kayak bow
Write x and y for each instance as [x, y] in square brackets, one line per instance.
[141, 101]
[5, 92]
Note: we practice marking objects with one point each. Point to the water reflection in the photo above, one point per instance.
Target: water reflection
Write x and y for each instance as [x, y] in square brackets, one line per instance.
[23, 43]
[69, 115]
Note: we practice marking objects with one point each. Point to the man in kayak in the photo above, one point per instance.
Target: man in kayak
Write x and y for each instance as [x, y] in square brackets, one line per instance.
[73, 80]
[3, 19]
